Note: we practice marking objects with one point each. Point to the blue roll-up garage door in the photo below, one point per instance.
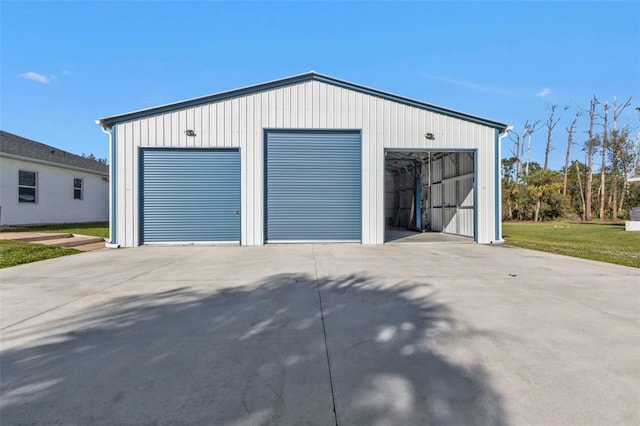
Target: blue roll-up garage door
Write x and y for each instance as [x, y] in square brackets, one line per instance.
[190, 195]
[313, 186]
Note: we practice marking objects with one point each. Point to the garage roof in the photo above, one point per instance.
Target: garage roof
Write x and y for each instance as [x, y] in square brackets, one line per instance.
[108, 122]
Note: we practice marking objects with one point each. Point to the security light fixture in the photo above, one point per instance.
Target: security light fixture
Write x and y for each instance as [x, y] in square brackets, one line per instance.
[429, 136]
[189, 132]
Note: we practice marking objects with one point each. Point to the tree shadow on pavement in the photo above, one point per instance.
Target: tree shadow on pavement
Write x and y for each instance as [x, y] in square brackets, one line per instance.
[251, 355]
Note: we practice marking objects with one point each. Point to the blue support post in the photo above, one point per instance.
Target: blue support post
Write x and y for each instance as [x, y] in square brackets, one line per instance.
[418, 202]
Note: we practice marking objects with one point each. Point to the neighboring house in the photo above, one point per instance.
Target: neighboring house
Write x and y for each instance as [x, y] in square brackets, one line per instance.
[43, 184]
[302, 159]
[636, 178]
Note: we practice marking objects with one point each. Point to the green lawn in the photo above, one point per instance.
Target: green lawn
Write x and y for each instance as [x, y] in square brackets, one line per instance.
[96, 229]
[14, 253]
[604, 242]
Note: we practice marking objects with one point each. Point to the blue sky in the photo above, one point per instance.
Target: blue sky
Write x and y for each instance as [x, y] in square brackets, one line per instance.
[65, 64]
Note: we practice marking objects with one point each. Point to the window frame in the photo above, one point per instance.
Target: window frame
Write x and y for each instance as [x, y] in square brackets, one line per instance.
[78, 188]
[34, 187]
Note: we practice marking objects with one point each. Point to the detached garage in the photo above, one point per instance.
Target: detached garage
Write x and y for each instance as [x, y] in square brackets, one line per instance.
[308, 158]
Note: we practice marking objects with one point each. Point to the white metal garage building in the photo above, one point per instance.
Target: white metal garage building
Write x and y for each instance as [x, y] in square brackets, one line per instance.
[305, 158]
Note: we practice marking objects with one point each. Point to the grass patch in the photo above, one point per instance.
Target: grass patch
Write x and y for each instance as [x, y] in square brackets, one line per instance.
[14, 253]
[603, 242]
[95, 229]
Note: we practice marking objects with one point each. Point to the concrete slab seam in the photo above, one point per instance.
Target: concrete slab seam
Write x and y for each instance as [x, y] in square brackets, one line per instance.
[324, 332]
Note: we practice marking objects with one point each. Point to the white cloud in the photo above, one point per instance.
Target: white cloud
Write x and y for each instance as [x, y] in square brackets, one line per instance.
[544, 92]
[66, 72]
[35, 77]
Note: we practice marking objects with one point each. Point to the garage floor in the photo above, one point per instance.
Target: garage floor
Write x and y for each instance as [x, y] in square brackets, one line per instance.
[402, 235]
[323, 334]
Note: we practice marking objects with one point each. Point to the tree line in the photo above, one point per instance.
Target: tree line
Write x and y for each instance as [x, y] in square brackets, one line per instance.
[596, 189]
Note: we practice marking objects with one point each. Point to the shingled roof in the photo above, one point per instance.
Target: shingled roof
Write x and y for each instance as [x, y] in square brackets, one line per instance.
[16, 146]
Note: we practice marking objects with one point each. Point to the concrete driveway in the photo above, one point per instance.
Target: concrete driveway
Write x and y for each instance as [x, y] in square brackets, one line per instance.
[401, 334]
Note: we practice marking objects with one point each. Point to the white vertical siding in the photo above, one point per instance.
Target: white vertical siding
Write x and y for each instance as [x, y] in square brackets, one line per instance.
[240, 122]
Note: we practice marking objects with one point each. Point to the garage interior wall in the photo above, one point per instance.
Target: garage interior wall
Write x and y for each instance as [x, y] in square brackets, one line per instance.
[446, 181]
[240, 121]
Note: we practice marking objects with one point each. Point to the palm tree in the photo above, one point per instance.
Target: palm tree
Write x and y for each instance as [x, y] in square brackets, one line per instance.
[541, 184]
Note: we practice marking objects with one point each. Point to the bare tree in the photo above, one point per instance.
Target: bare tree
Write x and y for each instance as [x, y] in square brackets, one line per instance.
[515, 152]
[551, 124]
[591, 145]
[581, 190]
[617, 153]
[520, 140]
[603, 162]
[529, 129]
[570, 131]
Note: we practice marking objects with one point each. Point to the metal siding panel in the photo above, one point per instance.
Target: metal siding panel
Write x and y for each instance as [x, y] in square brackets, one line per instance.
[450, 166]
[343, 108]
[294, 106]
[204, 131]
[188, 122]
[175, 139]
[466, 207]
[359, 114]
[373, 186]
[450, 194]
[189, 195]
[132, 193]
[249, 190]
[465, 192]
[465, 163]
[307, 93]
[159, 134]
[279, 108]
[313, 186]
[436, 195]
[242, 143]
[351, 114]
[128, 182]
[449, 223]
[322, 107]
[144, 132]
[286, 108]
[437, 170]
[337, 102]
[465, 222]
[436, 219]
[367, 139]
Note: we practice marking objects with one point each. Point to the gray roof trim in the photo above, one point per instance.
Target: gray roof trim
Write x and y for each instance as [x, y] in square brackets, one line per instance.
[108, 122]
[17, 147]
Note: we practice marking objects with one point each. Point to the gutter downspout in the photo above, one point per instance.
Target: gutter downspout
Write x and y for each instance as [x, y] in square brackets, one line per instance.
[111, 243]
[501, 136]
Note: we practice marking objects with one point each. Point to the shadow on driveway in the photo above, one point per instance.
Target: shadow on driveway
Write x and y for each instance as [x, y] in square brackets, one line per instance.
[251, 355]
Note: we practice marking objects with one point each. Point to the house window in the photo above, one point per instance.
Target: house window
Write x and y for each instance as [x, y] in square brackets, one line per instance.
[77, 188]
[27, 186]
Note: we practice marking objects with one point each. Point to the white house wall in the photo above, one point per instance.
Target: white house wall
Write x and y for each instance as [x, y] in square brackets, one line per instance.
[55, 203]
[241, 121]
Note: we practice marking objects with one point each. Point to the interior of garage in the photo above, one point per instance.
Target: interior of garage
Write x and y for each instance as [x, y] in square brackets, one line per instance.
[429, 196]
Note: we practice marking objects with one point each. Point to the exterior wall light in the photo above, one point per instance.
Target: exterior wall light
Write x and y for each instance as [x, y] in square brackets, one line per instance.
[189, 132]
[429, 136]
